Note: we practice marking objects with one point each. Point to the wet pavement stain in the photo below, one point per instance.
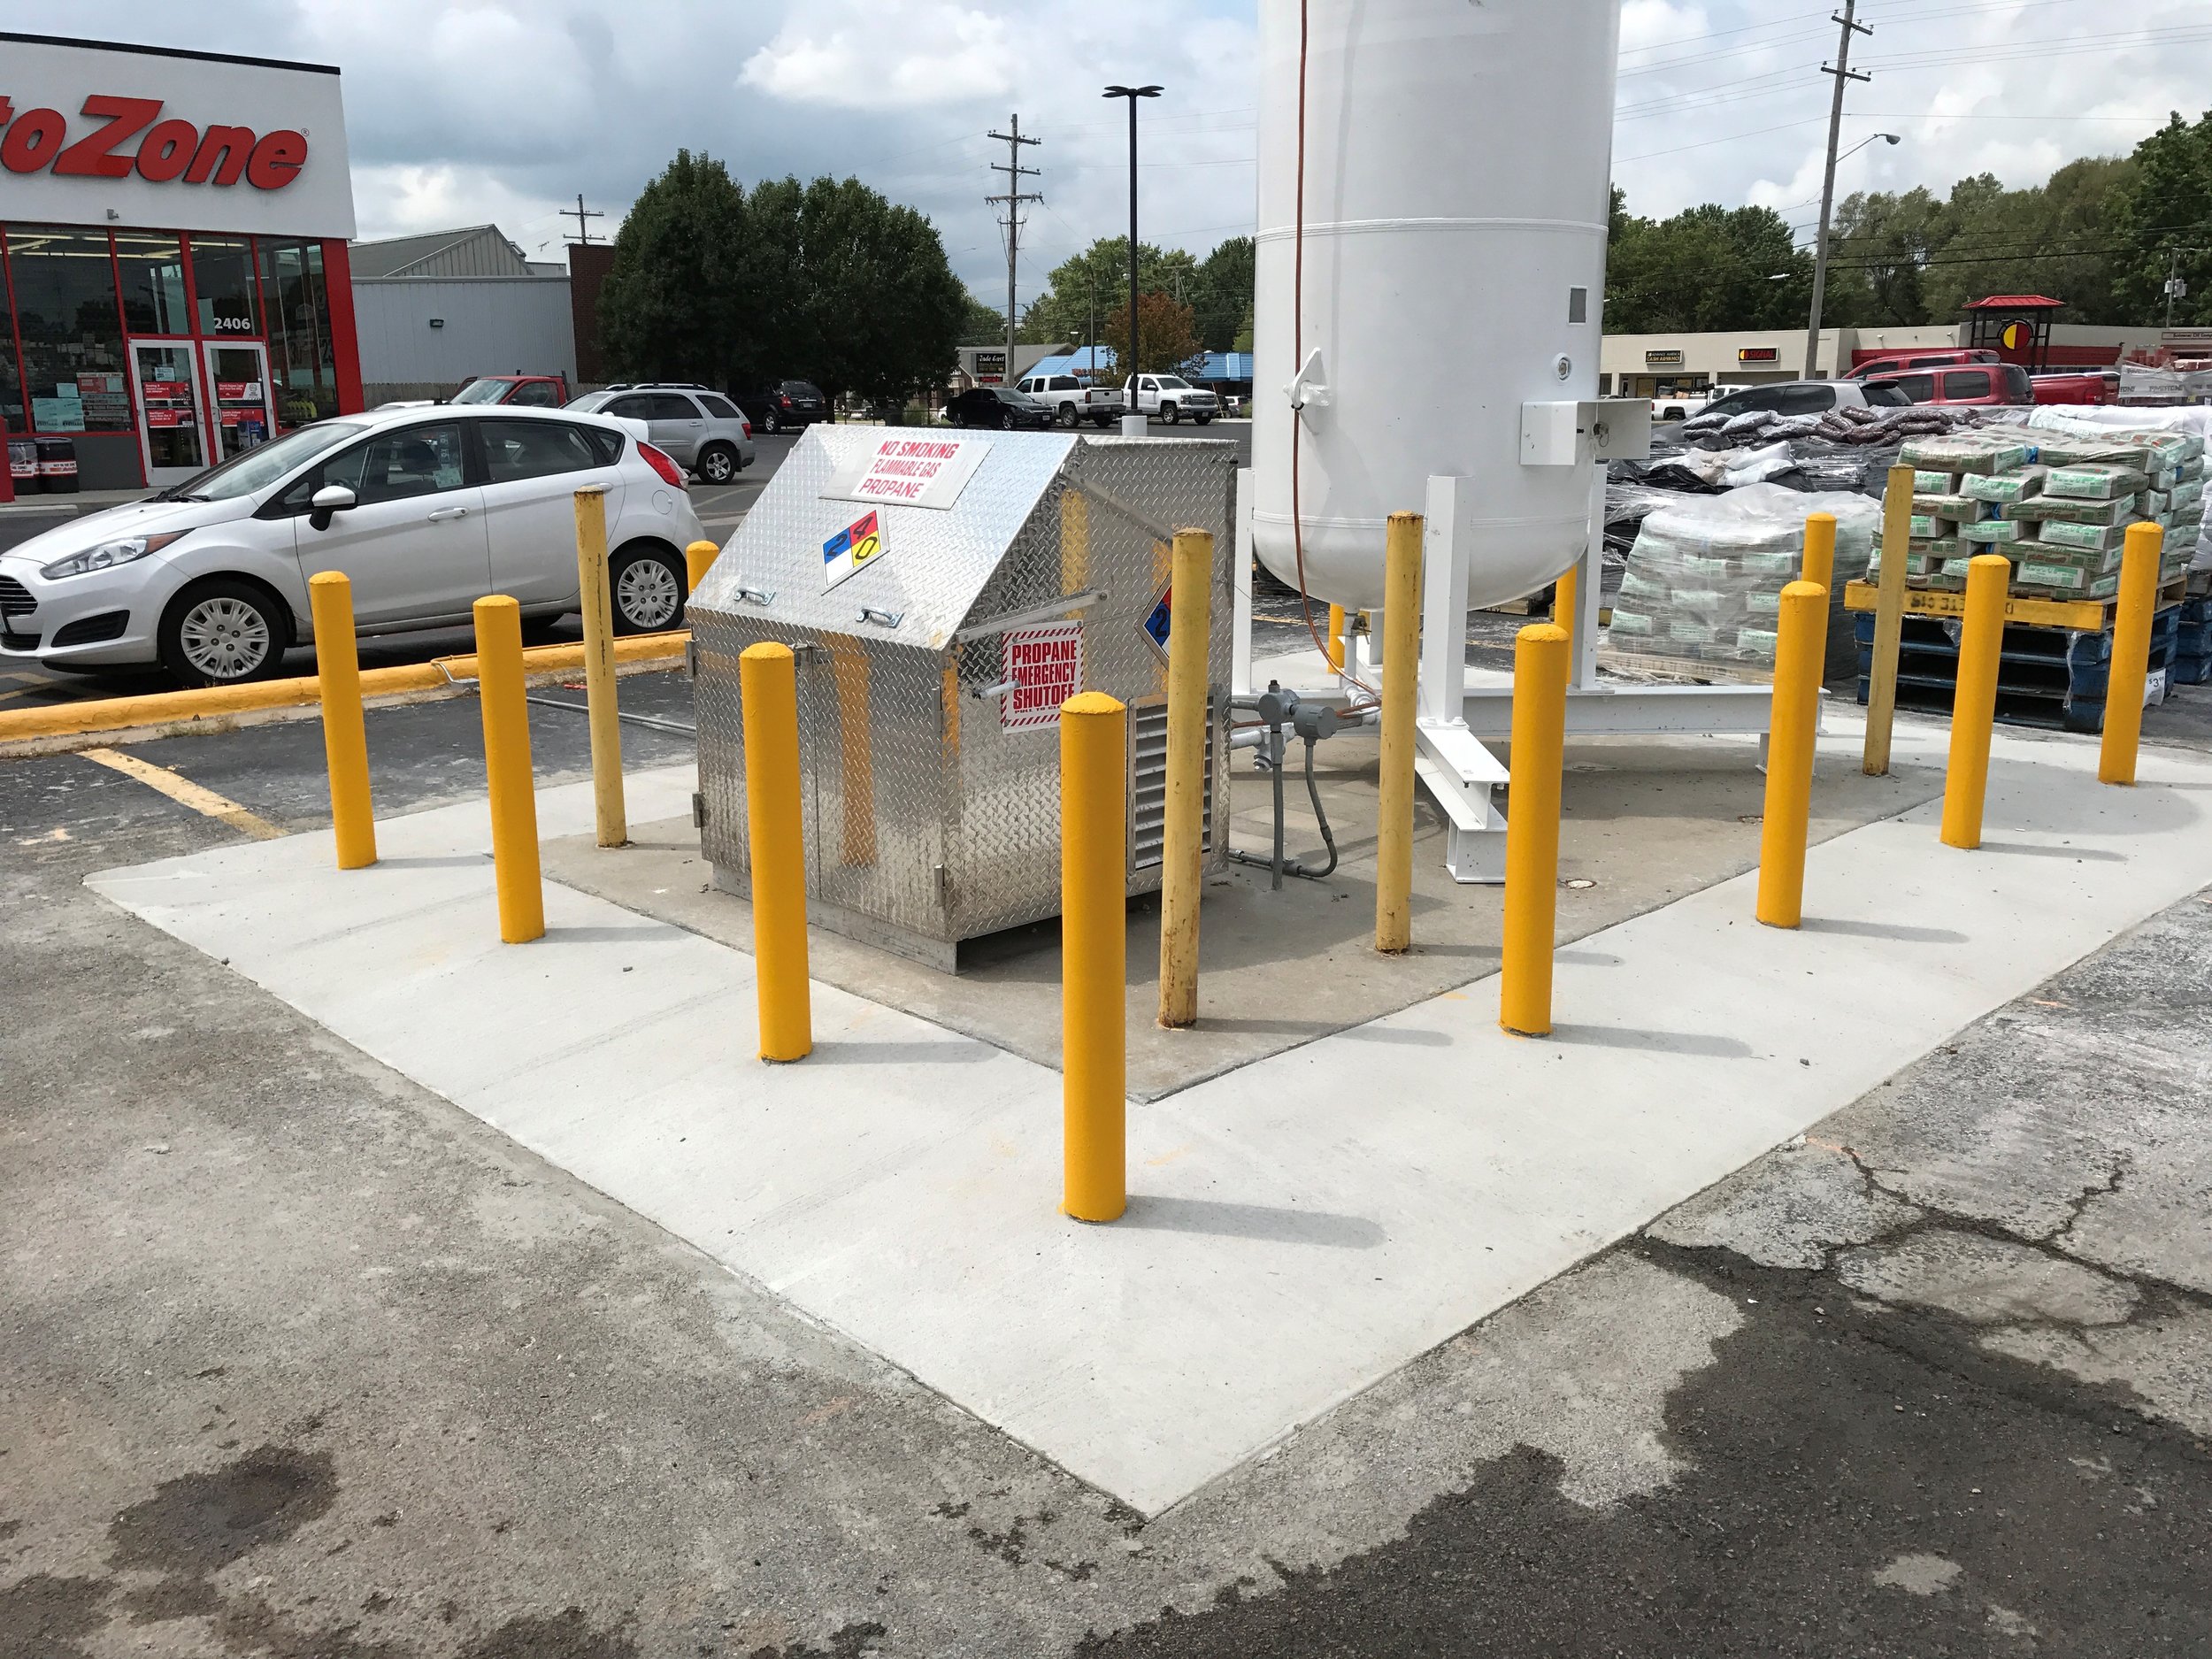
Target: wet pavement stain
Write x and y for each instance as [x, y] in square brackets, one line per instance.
[1827, 1442]
[43, 1617]
[567, 1634]
[197, 1524]
[853, 1641]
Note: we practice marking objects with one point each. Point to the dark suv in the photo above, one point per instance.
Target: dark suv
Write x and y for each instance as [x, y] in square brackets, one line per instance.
[785, 404]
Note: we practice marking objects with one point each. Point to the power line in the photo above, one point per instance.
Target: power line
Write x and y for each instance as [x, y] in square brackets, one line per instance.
[583, 216]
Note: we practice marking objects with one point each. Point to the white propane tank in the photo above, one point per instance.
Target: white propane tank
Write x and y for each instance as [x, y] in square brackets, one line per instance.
[1458, 182]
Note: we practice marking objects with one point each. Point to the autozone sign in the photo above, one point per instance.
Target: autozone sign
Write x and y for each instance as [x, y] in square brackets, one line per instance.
[114, 136]
[130, 135]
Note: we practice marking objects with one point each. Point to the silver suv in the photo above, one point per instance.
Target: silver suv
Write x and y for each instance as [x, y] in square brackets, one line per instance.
[700, 430]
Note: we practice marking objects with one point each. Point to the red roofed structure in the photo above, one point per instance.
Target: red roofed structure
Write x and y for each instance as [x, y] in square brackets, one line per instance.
[2015, 326]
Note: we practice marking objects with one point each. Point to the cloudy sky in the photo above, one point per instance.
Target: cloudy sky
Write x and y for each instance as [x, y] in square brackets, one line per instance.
[464, 111]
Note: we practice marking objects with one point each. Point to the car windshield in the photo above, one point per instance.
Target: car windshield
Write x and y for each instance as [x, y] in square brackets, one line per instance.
[481, 392]
[802, 388]
[1172, 382]
[262, 466]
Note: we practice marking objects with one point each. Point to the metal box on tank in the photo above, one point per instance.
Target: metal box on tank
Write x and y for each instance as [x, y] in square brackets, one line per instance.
[935, 643]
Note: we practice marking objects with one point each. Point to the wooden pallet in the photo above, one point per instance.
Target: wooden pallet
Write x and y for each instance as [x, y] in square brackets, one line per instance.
[2092, 616]
[1684, 670]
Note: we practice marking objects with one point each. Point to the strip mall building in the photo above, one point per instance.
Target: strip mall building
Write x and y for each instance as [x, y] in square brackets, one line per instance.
[173, 246]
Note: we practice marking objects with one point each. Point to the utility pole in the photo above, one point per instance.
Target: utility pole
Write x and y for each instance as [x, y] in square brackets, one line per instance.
[583, 216]
[1014, 197]
[1843, 72]
[2176, 288]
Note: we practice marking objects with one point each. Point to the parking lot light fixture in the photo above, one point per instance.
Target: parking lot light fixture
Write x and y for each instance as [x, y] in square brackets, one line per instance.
[1129, 369]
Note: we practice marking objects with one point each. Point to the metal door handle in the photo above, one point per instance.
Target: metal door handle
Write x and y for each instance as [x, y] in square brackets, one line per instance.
[444, 513]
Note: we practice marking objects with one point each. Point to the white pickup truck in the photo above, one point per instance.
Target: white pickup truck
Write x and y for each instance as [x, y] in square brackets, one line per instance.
[1072, 401]
[1170, 397]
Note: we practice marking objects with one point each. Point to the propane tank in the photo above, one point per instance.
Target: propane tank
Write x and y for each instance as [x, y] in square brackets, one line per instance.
[1457, 183]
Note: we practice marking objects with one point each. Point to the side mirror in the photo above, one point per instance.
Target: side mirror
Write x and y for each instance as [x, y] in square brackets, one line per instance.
[329, 500]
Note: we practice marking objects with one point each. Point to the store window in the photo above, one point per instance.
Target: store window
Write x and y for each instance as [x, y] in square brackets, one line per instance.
[72, 335]
[13, 416]
[222, 276]
[152, 269]
[302, 360]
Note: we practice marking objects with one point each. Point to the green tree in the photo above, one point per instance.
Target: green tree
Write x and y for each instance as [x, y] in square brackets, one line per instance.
[1243, 339]
[2163, 219]
[1096, 283]
[876, 310]
[1226, 280]
[1167, 338]
[673, 305]
[1707, 268]
[985, 325]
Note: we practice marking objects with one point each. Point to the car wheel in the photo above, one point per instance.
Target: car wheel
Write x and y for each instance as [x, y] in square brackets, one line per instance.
[1004, 421]
[1068, 416]
[718, 464]
[1171, 414]
[1202, 419]
[223, 632]
[648, 586]
[770, 422]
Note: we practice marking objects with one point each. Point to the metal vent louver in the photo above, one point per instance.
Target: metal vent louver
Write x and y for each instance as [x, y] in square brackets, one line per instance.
[1148, 784]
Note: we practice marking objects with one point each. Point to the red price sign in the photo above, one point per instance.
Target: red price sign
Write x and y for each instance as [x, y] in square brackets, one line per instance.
[238, 391]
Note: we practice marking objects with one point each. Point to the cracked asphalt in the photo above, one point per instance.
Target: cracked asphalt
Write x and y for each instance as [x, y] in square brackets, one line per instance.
[298, 1360]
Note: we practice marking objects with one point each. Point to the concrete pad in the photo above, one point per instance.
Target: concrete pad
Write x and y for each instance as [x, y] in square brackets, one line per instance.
[1643, 822]
[1300, 1226]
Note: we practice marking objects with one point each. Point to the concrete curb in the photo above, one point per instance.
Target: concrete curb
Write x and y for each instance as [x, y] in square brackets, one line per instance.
[66, 725]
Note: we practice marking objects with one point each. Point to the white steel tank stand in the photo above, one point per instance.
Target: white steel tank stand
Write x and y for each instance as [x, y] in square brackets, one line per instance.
[1456, 721]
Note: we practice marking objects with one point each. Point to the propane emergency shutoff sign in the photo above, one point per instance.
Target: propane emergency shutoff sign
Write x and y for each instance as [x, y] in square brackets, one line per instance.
[1045, 664]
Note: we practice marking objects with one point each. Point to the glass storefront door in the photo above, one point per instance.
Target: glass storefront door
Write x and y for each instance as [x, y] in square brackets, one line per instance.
[239, 372]
[166, 378]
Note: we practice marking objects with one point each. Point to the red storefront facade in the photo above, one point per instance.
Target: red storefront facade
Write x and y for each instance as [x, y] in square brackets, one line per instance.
[172, 256]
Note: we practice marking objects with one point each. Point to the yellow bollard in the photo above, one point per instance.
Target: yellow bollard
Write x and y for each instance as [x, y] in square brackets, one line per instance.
[1401, 650]
[1542, 654]
[507, 769]
[1799, 654]
[1093, 955]
[2131, 654]
[768, 695]
[345, 733]
[698, 560]
[1819, 567]
[600, 692]
[1564, 593]
[1184, 830]
[1889, 621]
[1336, 638]
[1974, 701]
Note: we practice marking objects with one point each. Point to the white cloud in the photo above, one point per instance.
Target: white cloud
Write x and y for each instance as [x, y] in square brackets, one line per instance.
[834, 54]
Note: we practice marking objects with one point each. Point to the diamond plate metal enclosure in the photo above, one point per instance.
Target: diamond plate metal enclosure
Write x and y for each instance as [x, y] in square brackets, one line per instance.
[932, 815]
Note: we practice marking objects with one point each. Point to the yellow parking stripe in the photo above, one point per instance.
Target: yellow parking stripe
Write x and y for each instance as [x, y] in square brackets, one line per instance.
[186, 792]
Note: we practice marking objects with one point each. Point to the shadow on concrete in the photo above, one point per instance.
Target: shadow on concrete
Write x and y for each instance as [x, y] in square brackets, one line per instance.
[924, 1052]
[607, 933]
[1903, 932]
[1699, 1042]
[453, 861]
[2031, 850]
[1274, 1223]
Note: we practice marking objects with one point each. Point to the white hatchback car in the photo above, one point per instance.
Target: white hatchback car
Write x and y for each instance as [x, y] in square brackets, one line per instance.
[425, 510]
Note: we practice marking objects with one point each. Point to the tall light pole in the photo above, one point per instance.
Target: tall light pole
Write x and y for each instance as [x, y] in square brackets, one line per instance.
[1843, 73]
[1130, 418]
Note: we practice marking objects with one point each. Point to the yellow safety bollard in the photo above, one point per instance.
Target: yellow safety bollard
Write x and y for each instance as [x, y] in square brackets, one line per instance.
[1183, 831]
[600, 692]
[1889, 621]
[2131, 654]
[1974, 701]
[1564, 593]
[1336, 637]
[1542, 654]
[345, 733]
[698, 560]
[1401, 650]
[1093, 955]
[1819, 567]
[768, 695]
[507, 769]
[1800, 652]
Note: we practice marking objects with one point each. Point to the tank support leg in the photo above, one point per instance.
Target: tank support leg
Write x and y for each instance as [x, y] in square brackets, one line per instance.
[1459, 773]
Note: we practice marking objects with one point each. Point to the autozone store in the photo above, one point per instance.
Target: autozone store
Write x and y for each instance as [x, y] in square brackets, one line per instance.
[173, 247]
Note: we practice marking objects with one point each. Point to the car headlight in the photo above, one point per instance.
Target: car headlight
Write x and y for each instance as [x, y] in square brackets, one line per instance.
[108, 555]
